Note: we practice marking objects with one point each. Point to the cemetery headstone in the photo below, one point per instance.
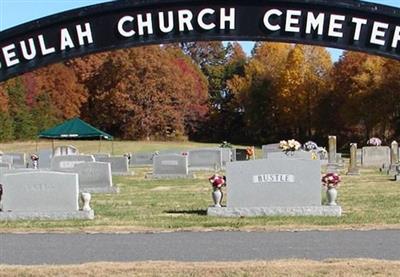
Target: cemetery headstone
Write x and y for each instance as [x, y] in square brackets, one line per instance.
[292, 155]
[359, 156]
[101, 155]
[45, 156]
[394, 158]
[4, 166]
[274, 187]
[226, 156]
[170, 166]
[205, 159]
[6, 159]
[119, 165]
[239, 154]
[376, 156]
[332, 160]
[60, 163]
[142, 159]
[270, 148]
[353, 167]
[41, 195]
[19, 159]
[94, 177]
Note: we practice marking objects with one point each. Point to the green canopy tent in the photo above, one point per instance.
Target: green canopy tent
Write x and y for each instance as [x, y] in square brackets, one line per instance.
[75, 129]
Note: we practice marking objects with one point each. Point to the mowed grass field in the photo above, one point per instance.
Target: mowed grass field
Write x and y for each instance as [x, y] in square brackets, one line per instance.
[370, 201]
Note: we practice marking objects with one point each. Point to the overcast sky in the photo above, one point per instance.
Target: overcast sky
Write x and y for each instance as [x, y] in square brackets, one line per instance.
[15, 12]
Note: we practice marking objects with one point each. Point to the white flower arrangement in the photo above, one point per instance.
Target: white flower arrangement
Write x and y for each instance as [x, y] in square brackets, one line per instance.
[374, 142]
[290, 145]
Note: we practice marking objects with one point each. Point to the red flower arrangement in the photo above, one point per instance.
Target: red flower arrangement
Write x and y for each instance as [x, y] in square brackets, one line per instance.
[217, 181]
[331, 180]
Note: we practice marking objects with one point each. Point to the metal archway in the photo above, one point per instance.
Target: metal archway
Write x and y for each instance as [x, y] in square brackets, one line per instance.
[345, 24]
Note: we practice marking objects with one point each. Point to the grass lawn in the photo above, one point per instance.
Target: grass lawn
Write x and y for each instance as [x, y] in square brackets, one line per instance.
[368, 201]
[359, 267]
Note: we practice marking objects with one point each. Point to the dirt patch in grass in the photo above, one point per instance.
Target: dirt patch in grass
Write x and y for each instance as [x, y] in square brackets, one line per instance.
[260, 268]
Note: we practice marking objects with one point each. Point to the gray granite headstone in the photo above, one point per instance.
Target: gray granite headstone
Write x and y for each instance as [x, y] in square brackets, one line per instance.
[226, 156]
[39, 191]
[274, 183]
[142, 159]
[205, 159]
[394, 158]
[4, 166]
[376, 156]
[170, 166]
[45, 156]
[68, 162]
[359, 156]
[270, 148]
[333, 166]
[291, 155]
[94, 177]
[101, 155]
[6, 159]
[119, 165]
[45, 195]
[19, 159]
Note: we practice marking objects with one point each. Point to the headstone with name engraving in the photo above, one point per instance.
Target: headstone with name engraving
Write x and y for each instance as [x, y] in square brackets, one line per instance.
[66, 150]
[68, 162]
[19, 159]
[119, 165]
[205, 159]
[45, 156]
[274, 187]
[170, 166]
[376, 156]
[142, 159]
[41, 195]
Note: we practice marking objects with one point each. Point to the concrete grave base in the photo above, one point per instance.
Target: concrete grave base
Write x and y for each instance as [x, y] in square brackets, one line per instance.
[170, 176]
[276, 211]
[12, 216]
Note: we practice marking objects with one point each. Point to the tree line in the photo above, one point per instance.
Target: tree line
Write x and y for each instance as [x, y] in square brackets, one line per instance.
[209, 91]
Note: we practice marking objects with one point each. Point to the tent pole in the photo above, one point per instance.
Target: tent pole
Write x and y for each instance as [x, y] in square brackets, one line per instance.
[99, 145]
[52, 145]
[112, 147]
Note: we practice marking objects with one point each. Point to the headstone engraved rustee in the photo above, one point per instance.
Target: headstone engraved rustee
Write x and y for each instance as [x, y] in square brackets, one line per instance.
[41, 194]
[353, 167]
[332, 160]
[274, 187]
[394, 158]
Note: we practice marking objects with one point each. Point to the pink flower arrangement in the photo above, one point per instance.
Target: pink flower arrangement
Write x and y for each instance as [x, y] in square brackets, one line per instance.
[217, 181]
[331, 180]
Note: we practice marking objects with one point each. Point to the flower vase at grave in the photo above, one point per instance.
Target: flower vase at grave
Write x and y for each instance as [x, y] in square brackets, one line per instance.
[331, 194]
[217, 197]
[86, 197]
